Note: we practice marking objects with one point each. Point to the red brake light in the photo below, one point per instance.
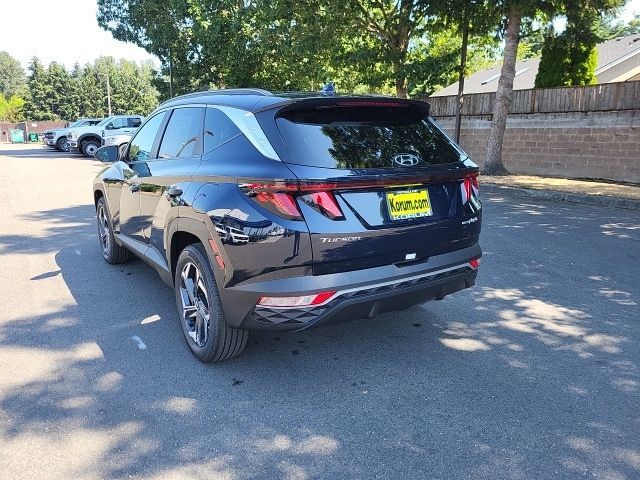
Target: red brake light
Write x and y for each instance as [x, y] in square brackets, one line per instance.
[275, 197]
[370, 103]
[475, 263]
[470, 188]
[325, 203]
[284, 203]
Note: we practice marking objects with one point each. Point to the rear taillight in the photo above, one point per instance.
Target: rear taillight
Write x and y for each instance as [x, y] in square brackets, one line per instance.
[280, 198]
[280, 203]
[296, 302]
[325, 203]
[470, 190]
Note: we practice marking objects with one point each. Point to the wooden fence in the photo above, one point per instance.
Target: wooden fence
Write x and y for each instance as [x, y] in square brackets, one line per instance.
[592, 98]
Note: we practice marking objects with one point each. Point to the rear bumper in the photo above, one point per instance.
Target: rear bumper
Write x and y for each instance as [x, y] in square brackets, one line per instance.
[74, 147]
[360, 294]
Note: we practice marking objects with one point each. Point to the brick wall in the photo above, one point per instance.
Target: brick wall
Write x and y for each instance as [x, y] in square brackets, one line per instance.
[604, 145]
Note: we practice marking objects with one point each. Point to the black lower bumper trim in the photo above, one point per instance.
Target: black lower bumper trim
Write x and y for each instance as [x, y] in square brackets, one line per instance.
[363, 303]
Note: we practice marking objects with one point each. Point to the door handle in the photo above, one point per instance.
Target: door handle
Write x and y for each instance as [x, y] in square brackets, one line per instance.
[134, 187]
[174, 191]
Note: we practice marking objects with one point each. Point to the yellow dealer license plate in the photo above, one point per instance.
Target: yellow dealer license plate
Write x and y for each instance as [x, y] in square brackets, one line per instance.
[409, 204]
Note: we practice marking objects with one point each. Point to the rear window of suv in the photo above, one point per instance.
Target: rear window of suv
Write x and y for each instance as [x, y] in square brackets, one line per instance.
[361, 137]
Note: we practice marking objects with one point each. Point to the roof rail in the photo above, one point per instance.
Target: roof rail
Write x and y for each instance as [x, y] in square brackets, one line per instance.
[224, 91]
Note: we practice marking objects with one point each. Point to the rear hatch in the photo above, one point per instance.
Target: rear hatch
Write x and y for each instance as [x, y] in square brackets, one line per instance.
[379, 183]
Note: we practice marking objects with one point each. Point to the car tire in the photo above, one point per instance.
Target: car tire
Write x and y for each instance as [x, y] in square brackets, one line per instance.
[197, 297]
[62, 145]
[89, 147]
[111, 251]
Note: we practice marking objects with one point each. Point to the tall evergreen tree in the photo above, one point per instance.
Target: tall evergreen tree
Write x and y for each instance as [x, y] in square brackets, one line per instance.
[571, 58]
[38, 101]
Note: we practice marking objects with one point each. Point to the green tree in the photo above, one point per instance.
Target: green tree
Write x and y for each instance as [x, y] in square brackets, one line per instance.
[610, 27]
[12, 77]
[11, 110]
[571, 58]
[514, 12]
[364, 45]
[38, 101]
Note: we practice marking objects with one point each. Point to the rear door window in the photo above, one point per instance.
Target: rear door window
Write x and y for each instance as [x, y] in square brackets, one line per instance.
[181, 136]
[361, 137]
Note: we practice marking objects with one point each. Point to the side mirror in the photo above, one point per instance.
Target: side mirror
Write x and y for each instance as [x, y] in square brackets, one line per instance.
[108, 154]
[109, 126]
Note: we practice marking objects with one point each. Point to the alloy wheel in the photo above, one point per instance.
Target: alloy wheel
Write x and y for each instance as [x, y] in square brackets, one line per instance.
[103, 229]
[195, 304]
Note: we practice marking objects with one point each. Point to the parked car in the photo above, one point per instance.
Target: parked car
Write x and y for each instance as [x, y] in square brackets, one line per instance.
[117, 140]
[57, 137]
[372, 206]
[87, 140]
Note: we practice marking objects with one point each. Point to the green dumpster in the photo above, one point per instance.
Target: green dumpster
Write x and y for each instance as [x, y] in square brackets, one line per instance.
[33, 137]
[16, 135]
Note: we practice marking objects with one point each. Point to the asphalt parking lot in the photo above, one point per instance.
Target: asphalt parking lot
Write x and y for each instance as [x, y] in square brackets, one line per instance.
[534, 373]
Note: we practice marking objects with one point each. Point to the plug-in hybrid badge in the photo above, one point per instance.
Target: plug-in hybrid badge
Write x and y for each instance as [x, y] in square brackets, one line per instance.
[406, 159]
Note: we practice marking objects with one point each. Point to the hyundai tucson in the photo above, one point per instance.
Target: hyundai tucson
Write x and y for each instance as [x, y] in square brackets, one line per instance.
[283, 212]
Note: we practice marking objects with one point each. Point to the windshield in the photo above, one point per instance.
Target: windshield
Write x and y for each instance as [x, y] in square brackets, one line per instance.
[104, 122]
[364, 137]
[75, 124]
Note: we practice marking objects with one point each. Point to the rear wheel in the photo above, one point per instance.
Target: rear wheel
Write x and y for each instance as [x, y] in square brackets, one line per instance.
[201, 316]
[62, 145]
[89, 147]
[111, 251]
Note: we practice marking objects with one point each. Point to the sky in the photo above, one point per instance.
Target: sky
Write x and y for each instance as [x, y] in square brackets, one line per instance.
[62, 30]
[67, 31]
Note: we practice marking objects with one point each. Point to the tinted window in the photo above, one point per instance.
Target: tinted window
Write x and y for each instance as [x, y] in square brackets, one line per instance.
[218, 129]
[142, 143]
[364, 137]
[181, 135]
[135, 122]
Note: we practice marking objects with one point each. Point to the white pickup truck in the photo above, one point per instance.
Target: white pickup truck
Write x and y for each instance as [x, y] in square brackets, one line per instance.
[87, 140]
[57, 137]
[117, 140]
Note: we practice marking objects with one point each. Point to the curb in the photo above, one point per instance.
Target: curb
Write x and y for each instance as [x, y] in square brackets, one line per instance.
[556, 196]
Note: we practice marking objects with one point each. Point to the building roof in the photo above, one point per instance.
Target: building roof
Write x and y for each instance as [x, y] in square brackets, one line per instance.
[610, 53]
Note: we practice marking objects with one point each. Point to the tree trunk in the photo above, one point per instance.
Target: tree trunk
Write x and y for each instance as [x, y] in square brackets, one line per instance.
[493, 164]
[401, 87]
[463, 67]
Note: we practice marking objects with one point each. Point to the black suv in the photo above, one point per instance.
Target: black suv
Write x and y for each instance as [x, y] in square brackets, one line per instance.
[287, 211]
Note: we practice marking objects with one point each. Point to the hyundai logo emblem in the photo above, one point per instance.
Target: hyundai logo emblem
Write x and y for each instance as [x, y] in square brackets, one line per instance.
[406, 159]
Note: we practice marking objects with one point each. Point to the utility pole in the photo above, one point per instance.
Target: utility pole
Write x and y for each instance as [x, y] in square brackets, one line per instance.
[463, 67]
[108, 94]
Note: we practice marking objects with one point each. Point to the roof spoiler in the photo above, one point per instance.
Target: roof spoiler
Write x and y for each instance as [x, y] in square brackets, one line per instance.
[355, 101]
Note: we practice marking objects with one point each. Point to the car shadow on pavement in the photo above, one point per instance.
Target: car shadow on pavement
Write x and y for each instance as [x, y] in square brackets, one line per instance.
[525, 376]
